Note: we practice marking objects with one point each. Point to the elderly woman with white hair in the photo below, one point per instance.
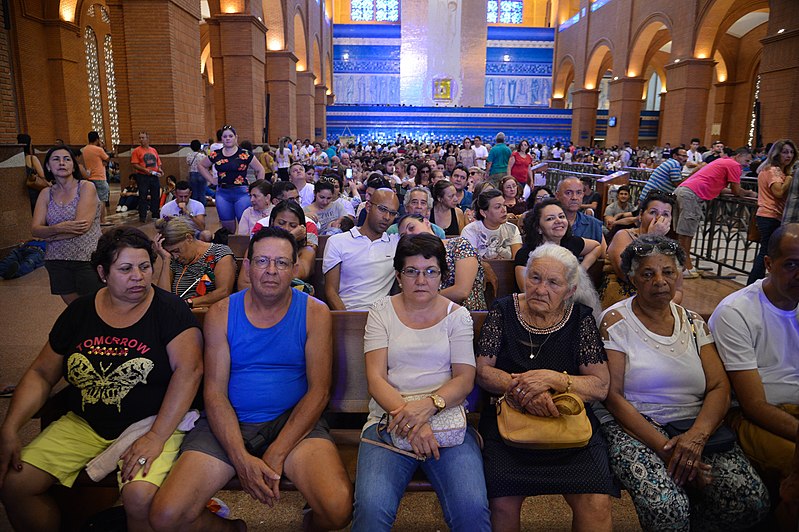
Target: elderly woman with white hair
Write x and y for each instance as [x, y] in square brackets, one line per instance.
[534, 345]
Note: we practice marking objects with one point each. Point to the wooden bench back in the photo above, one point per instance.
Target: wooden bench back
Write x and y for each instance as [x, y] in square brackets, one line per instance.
[349, 392]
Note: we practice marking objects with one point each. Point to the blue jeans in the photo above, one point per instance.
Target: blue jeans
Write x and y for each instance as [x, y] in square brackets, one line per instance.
[766, 226]
[457, 477]
[231, 202]
[197, 184]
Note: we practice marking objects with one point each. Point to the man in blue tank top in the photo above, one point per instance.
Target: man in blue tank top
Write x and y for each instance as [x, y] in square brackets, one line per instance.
[268, 370]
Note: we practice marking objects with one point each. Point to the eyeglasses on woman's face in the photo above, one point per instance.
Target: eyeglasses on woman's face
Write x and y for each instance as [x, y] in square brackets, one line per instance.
[429, 273]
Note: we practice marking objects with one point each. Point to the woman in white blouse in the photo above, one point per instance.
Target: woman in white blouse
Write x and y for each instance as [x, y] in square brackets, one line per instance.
[667, 400]
[418, 343]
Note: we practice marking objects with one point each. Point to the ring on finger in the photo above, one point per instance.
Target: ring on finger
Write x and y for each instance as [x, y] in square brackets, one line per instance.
[689, 463]
[408, 426]
[142, 460]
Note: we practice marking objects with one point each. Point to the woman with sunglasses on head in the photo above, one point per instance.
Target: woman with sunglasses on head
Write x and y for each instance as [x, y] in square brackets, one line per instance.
[668, 397]
[654, 215]
[419, 362]
[547, 223]
[231, 163]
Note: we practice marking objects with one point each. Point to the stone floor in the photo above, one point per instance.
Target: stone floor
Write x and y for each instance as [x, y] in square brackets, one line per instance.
[25, 328]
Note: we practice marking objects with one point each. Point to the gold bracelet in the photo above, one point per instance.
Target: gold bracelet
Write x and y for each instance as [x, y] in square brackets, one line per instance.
[568, 382]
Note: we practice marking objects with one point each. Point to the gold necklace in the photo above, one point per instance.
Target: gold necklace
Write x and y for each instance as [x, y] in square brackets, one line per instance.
[547, 330]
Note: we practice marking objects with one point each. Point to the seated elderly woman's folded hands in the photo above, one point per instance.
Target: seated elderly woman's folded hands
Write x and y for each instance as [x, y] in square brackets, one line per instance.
[683, 454]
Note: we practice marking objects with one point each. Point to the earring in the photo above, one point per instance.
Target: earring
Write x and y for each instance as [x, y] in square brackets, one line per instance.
[400, 285]
[104, 280]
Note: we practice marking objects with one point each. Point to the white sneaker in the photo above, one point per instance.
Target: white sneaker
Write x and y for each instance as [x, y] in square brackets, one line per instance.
[124, 208]
[119, 208]
[690, 274]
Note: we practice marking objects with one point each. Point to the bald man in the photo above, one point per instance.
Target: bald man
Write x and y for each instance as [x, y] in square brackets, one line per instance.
[756, 330]
[359, 264]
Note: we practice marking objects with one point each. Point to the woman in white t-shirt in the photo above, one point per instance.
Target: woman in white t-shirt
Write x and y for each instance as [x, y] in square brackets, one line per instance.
[667, 400]
[419, 362]
[491, 234]
[283, 160]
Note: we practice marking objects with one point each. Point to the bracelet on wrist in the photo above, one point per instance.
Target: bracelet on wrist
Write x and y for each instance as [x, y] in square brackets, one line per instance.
[568, 383]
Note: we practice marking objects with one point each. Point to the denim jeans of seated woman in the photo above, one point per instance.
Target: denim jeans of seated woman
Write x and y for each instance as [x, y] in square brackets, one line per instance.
[457, 477]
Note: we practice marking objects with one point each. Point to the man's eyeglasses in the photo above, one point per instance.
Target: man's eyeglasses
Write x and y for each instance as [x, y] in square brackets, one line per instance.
[667, 247]
[425, 170]
[385, 210]
[542, 197]
[429, 273]
[261, 263]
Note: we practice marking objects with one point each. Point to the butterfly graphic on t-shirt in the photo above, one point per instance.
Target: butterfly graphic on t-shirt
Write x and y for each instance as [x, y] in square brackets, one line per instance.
[108, 387]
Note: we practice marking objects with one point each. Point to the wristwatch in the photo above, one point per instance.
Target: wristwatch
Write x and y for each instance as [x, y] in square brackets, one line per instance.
[439, 401]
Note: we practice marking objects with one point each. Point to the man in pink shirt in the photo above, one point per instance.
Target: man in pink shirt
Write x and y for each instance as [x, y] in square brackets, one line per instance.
[94, 159]
[707, 184]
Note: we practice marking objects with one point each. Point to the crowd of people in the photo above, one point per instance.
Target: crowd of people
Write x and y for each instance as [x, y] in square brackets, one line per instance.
[411, 229]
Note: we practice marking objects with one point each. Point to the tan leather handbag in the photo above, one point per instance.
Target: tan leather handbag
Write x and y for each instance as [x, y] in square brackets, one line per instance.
[520, 429]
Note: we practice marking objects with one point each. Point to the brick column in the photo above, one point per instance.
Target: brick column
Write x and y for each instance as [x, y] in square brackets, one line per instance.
[685, 113]
[305, 105]
[238, 47]
[66, 57]
[320, 112]
[159, 84]
[779, 75]
[281, 84]
[584, 104]
[722, 111]
[625, 105]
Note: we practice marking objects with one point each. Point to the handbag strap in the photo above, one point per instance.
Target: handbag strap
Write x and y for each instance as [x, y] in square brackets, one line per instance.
[693, 329]
[395, 449]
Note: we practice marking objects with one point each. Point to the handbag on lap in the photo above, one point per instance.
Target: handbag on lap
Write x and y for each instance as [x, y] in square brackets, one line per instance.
[520, 429]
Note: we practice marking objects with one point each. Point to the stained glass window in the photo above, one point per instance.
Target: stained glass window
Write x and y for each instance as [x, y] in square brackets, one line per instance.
[104, 15]
[504, 11]
[93, 69]
[90, 11]
[111, 90]
[375, 10]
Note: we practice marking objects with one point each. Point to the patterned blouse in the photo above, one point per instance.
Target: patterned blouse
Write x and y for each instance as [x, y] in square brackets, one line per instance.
[231, 170]
[459, 248]
[184, 277]
[78, 247]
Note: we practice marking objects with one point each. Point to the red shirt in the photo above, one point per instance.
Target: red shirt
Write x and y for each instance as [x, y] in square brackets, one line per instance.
[147, 158]
[521, 165]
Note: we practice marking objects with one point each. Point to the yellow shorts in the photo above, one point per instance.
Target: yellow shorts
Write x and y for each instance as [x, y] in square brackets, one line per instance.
[67, 445]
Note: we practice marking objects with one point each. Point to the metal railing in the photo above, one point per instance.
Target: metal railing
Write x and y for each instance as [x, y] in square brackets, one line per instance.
[722, 237]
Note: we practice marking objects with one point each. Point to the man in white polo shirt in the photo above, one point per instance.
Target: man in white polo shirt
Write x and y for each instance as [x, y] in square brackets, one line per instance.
[359, 264]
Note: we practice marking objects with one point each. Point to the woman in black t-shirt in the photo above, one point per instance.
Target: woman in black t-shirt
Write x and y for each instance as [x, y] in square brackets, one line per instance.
[547, 223]
[131, 354]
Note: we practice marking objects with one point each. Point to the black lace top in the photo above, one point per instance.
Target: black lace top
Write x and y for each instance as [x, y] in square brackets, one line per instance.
[573, 342]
